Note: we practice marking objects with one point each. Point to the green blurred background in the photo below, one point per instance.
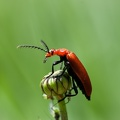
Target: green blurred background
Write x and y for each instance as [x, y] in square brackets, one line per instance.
[90, 28]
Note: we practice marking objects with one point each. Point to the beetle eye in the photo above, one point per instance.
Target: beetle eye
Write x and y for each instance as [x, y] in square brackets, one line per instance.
[52, 51]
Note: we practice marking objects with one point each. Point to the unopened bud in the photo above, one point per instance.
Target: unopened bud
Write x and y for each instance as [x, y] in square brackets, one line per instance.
[56, 84]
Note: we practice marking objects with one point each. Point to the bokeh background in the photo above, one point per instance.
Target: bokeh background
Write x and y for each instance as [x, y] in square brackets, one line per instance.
[90, 28]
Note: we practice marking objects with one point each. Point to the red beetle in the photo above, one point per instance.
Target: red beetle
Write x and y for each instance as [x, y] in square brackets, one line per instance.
[73, 65]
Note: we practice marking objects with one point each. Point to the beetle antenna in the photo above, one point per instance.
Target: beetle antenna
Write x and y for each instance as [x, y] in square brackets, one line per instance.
[44, 44]
[31, 46]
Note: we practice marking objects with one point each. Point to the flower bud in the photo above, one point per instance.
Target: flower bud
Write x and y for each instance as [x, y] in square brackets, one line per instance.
[56, 84]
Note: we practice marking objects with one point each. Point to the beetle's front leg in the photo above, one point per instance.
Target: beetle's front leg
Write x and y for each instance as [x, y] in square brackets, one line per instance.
[55, 63]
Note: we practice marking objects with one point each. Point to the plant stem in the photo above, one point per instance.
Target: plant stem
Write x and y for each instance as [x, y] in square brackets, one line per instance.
[63, 110]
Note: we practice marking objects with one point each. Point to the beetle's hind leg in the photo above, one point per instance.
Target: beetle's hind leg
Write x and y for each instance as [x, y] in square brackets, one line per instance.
[68, 94]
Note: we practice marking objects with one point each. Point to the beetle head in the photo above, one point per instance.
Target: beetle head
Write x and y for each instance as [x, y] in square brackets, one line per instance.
[49, 54]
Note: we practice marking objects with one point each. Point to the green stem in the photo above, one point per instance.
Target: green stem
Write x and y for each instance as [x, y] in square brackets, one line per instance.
[63, 110]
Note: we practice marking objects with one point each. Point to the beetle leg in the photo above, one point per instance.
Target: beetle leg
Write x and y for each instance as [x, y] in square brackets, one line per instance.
[61, 65]
[74, 88]
[64, 69]
[69, 94]
[55, 63]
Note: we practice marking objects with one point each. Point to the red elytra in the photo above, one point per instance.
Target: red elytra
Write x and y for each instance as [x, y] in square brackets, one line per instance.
[73, 65]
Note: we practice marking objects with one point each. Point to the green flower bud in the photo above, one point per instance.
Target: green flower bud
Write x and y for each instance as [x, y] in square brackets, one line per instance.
[55, 85]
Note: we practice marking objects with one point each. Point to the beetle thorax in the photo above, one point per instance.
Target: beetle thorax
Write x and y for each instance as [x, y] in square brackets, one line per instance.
[60, 52]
